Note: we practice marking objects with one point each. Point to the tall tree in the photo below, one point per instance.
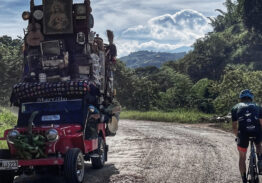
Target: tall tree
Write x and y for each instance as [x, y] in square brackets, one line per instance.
[251, 13]
[10, 65]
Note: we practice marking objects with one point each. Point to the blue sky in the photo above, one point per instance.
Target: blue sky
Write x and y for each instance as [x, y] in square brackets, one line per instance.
[157, 25]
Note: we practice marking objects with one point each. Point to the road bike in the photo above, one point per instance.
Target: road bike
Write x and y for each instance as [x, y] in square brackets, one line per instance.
[252, 174]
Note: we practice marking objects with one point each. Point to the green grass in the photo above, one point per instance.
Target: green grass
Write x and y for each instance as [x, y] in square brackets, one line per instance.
[178, 116]
[7, 121]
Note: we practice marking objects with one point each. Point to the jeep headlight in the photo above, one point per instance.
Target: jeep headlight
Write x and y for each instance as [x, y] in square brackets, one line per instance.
[52, 135]
[12, 135]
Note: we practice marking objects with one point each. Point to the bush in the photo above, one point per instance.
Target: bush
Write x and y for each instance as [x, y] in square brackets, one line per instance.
[232, 83]
[203, 96]
[7, 121]
[179, 95]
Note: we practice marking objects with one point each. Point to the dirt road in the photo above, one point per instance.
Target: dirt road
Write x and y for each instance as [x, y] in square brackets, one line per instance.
[163, 152]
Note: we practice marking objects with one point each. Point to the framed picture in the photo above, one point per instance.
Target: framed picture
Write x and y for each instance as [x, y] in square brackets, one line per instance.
[80, 11]
[58, 17]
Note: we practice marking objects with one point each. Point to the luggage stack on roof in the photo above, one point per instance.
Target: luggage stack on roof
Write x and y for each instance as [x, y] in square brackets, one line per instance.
[63, 57]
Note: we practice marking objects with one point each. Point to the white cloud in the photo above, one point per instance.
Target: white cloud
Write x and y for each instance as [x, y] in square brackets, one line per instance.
[126, 15]
[165, 33]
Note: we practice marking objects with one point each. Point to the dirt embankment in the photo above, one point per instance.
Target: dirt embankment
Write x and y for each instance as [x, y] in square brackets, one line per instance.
[164, 152]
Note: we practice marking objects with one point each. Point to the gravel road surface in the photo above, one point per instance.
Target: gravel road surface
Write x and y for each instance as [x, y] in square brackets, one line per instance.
[153, 152]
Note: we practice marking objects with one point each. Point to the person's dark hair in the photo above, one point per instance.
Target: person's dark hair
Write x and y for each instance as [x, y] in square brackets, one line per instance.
[246, 99]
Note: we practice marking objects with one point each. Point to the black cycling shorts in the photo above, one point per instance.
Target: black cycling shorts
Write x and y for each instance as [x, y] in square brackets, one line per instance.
[243, 138]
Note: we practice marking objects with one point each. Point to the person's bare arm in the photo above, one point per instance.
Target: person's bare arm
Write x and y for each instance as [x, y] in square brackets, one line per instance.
[234, 126]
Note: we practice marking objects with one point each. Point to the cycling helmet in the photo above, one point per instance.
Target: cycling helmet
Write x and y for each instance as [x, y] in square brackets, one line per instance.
[246, 93]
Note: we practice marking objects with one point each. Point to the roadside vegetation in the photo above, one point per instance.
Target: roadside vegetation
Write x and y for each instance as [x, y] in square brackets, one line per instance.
[178, 116]
[7, 121]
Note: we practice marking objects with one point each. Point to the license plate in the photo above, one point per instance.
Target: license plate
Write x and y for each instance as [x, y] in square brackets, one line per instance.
[51, 118]
[8, 164]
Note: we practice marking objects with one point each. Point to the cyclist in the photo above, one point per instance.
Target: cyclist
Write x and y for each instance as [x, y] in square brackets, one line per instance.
[247, 122]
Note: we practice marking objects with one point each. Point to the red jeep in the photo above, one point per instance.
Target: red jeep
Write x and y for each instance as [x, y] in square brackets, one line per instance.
[66, 97]
[71, 133]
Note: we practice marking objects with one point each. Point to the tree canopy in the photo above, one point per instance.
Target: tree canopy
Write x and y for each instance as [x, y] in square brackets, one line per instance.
[11, 64]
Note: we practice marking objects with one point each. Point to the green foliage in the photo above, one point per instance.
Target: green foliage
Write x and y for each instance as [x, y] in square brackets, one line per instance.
[201, 88]
[165, 78]
[146, 71]
[7, 117]
[179, 95]
[232, 83]
[134, 91]
[3, 144]
[30, 146]
[151, 88]
[7, 121]
[178, 115]
[251, 13]
[124, 81]
[144, 94]
[11, 63]
[207, 60]
[203, 95]
[226, 19]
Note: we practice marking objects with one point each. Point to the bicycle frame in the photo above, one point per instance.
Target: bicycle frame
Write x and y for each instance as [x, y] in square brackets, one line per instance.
[252, 175]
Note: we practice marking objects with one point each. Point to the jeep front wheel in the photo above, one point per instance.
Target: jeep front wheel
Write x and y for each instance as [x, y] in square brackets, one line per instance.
[74, 166]
[99, 161]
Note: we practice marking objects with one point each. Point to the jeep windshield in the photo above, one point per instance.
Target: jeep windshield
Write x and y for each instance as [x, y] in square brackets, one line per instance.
[59, 112]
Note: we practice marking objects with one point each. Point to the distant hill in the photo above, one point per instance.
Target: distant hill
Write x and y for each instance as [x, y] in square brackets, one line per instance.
[148, 58]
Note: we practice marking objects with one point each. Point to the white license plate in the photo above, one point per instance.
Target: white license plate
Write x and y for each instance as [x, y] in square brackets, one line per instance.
[8, 164]
[51, 118]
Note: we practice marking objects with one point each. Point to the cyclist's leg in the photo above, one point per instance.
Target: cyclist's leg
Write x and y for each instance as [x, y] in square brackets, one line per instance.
[242, 164]
[242, 145]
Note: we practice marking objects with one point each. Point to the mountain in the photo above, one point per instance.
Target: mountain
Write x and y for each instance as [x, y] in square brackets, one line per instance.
[149, 58]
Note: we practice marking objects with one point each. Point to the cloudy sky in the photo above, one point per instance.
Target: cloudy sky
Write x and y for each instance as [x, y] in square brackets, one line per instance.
[157, 25]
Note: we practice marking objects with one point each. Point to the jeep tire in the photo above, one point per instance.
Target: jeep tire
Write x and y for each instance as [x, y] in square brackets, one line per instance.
[6, 176]
[99, 162]
[74, 166]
